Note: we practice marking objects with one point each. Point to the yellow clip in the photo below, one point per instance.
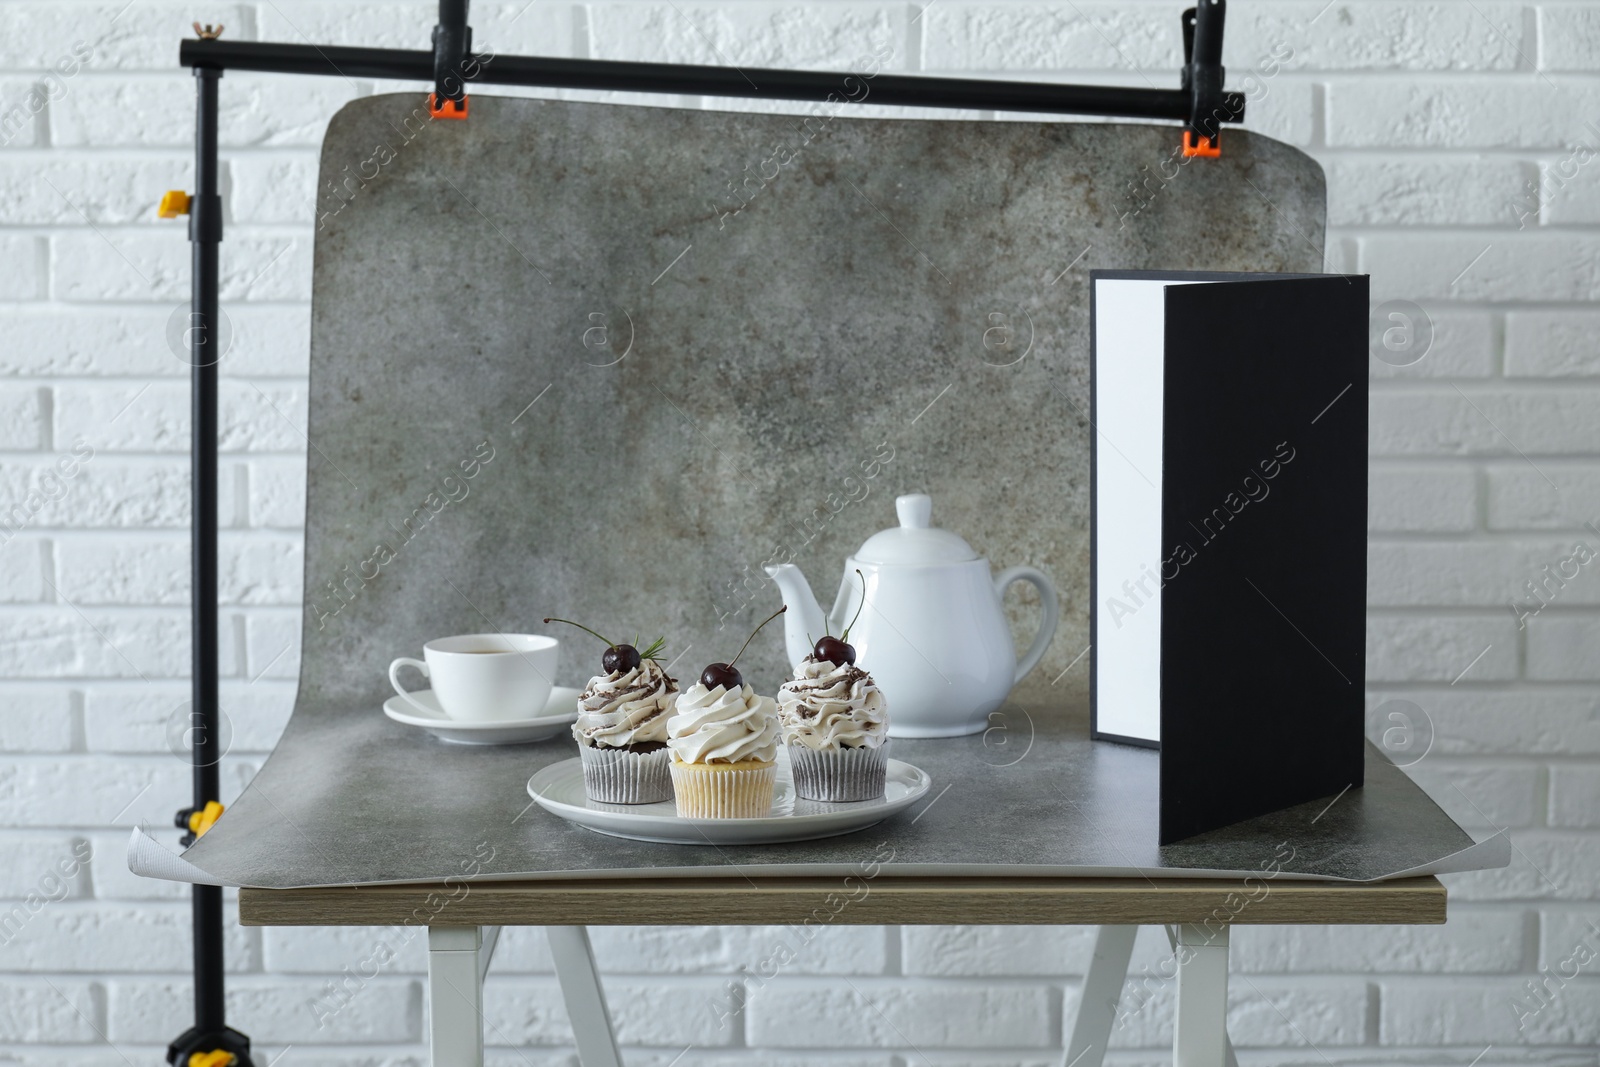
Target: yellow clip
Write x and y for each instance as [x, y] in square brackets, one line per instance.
[174, 202]
[199, 823]
[214, 1058]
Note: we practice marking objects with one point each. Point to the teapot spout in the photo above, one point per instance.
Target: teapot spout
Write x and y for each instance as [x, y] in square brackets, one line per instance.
[803, 623]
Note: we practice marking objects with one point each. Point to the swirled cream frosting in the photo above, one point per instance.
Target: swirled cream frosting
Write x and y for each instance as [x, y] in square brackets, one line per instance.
[626, 707]
[832, 706]
[724, 726]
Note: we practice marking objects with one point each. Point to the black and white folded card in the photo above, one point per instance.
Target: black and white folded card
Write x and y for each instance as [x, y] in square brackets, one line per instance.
[1228, 567]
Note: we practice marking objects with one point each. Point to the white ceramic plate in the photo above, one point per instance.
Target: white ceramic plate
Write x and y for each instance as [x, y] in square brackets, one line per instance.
[558, 789]
[560, 711]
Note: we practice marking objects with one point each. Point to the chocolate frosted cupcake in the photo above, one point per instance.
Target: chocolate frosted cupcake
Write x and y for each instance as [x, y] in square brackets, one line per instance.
[835, 726]
[622, 735]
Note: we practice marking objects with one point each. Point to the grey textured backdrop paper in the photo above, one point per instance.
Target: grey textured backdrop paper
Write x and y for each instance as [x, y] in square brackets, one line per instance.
[559, 369]
[903, 307]
[351, 797]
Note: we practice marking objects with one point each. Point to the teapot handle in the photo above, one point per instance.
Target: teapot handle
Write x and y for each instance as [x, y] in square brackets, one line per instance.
[1049, 612]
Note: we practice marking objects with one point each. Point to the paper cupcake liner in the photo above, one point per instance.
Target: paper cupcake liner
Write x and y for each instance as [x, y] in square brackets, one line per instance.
[838, 774]
[724, 790]
[617, 776]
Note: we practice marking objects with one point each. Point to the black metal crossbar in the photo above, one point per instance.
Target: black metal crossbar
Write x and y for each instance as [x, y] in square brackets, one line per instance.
[598, 74]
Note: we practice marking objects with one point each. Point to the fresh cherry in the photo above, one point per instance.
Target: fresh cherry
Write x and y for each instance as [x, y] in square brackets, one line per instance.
[724, 674]
[617, 658]
[835, 651]
[620, 658]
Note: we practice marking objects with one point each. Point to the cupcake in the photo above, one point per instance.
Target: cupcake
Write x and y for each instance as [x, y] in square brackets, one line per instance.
[724, 743]
[622, 735]
[835, 726]
[621, 728]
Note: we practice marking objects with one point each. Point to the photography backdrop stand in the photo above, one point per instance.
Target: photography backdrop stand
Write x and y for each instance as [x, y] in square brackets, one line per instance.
[1199, 103]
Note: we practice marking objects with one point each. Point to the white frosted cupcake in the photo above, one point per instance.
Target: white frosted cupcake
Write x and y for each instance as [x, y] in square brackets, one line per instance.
[622, 735]
[836, 727]
[724, 744]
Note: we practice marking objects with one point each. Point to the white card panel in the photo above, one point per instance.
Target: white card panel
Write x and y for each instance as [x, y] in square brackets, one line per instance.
[1129, 366]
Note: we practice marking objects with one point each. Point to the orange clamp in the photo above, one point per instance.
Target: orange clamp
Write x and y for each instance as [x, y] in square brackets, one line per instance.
[447, 108]
[174, 202]
[199, 823]
[215, 1058]
[1209, 148]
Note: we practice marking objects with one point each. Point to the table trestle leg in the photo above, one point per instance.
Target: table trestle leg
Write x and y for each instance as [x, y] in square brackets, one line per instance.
[1102, 991]
[586, 999]
[457, 959]
[1200, 1037]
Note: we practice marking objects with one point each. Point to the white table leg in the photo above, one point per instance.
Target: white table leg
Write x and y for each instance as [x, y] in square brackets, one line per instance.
[456, 963]
[1102, 990]
[1200, 1038]
[586, 999]
[491, 938]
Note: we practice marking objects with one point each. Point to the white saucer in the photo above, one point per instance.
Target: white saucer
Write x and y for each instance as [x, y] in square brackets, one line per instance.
[558, 789]
[560, 711]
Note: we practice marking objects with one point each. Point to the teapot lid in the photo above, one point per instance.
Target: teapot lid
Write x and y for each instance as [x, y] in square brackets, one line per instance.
[914, 541]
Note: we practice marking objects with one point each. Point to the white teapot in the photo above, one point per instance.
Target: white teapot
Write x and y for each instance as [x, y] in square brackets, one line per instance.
[932, 632]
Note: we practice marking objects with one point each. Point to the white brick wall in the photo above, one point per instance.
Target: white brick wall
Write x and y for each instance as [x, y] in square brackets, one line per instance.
[1434, 120]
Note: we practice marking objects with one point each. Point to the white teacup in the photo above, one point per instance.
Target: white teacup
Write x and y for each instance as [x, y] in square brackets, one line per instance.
[485, 677]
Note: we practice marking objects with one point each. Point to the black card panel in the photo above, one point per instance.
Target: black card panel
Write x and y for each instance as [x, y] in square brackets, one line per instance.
[1264, 521]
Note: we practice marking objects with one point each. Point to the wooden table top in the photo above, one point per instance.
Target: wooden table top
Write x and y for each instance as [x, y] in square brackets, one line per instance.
[851, 901]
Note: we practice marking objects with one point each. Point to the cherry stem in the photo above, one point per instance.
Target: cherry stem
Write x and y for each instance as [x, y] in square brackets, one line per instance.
[753, 633]
[846, 635]
[582, 627]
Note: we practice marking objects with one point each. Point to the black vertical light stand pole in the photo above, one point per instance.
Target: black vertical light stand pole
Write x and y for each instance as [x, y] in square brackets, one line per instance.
[205, 225]
[210, 1031]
